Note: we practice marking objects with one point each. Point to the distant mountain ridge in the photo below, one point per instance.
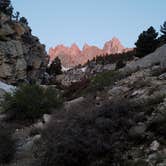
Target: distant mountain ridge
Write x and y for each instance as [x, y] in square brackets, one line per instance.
[73, 56]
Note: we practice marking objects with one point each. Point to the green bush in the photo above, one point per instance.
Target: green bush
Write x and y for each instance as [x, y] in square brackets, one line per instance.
[104, 79]
[30, 102]
[7, 146]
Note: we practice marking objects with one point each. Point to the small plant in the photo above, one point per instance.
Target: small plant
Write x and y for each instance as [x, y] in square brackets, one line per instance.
[7, 146]
[23, 20]
[30, 102]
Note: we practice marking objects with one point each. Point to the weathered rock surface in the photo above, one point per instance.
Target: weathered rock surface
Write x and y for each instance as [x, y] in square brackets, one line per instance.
[113, 46]
[22, 57]
[80, 73]
[4, 88]
[156, 58]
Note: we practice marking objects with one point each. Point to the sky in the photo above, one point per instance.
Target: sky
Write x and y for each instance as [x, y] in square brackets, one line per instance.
[90, 21]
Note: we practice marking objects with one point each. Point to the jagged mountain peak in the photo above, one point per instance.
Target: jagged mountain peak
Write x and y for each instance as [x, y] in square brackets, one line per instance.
[88, 52]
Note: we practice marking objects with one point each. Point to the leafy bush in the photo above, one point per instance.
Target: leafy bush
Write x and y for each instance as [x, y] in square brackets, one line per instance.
[85, 138]
[30, 102]
[104, 79]
[7, 146]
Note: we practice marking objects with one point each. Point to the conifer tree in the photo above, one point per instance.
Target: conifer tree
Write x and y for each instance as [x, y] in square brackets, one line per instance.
[147, 42]
[6, 7]
[162, 38]
[55, 67]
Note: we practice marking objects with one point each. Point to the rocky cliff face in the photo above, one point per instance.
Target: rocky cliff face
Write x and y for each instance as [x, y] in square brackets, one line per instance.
[22, 56]
[72, 56]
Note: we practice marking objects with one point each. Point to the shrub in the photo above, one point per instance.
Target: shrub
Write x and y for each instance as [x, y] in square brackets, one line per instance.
[120, 64]
[85, 138]
[104, 79]
[7, 146]
[6, 7]
[23, 20]
[158, 125]
[30, 102]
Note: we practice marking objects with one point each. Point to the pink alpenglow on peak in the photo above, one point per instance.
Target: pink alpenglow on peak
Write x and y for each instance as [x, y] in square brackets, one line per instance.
[73, 56]
[113, 46]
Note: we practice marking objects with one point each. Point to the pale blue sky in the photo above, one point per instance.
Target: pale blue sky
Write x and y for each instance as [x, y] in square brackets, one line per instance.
[90, 21]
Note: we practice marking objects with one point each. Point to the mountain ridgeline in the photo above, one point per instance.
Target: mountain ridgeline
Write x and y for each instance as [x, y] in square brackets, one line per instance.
[73, 56]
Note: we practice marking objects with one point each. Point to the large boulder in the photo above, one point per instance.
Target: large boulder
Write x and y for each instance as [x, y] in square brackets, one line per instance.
[156, 58]
[5, 88]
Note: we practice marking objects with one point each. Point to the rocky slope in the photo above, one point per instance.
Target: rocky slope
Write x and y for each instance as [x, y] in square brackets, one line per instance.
[130, 111]
[22, 56]
[73, 56]
[141, 87]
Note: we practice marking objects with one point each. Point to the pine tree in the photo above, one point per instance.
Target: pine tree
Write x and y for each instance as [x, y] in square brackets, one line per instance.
[162, 38]
[55, 67]
[163, 28]
[147, 42]
[6, 7]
